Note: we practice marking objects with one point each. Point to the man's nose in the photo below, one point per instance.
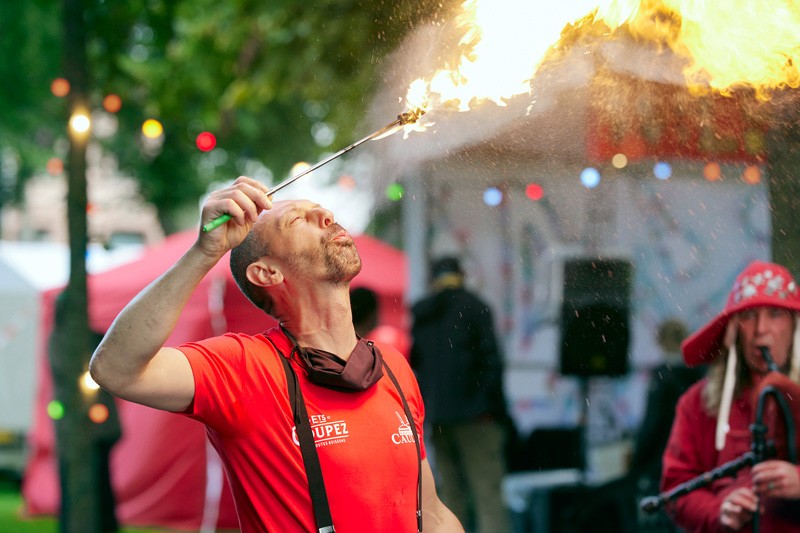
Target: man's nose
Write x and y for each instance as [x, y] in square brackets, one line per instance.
[323, 216]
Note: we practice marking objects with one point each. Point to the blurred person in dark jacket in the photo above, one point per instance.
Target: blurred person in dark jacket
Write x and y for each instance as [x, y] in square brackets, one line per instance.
[668, 381]
[365, 305]
[459, 367]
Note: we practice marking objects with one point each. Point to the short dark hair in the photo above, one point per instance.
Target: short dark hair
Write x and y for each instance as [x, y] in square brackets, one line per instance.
[250, 250]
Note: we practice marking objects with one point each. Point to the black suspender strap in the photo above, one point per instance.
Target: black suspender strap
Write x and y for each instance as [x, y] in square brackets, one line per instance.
[319, 498]
[416, 443]
[308, 449]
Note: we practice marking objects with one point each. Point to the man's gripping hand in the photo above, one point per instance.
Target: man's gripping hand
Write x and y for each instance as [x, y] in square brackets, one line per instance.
[244, 200]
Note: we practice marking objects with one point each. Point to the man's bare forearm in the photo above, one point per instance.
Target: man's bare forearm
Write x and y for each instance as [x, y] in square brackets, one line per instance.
[131, 361]
[144, 325]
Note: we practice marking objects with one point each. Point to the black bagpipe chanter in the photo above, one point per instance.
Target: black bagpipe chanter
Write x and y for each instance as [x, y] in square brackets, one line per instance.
[774, 435]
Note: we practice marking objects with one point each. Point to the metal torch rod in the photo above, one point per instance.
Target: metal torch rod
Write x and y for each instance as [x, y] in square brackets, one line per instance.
[402, 119]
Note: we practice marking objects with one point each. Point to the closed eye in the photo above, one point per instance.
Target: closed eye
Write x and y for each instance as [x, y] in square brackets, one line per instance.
[292, 219]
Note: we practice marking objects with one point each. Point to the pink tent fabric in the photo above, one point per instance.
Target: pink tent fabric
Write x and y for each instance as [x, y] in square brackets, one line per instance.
[163, 471]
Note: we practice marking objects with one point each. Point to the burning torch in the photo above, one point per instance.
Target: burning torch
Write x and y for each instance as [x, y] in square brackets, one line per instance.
[403, 119]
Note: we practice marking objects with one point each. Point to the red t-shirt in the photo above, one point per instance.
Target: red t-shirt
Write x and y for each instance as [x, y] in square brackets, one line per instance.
[365, 446]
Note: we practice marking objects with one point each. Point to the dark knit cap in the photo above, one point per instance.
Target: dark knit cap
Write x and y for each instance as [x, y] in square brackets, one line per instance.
[445, 265]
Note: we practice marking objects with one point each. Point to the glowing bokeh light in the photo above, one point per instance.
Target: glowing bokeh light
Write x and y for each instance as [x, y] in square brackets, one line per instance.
[299, 167]
[112, 103]
[98, 413]
[80, 123]
[55, 166]
[395, 192]
[712, 172]
[347, 183]
[206, 141]
[492, 196]
[59, 87]
[752, 175]
[662, 170]
[86, 379]
[55, 410]
[152, 129]
[590, 177]
[534, 191]
[619, 161]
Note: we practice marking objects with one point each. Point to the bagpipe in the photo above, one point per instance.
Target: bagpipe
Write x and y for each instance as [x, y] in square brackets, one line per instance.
[774, 435]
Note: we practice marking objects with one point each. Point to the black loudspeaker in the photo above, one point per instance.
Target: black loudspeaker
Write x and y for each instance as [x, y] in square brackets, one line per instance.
[594, 317]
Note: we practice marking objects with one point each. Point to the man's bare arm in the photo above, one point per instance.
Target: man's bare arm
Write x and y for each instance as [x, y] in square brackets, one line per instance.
[131, 361]
[436, 517]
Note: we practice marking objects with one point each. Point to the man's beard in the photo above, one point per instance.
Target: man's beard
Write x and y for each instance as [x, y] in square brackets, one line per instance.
[341, 259]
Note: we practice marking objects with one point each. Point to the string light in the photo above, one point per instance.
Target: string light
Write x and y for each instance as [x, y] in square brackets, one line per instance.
[98, 413]
[152, 129]
[87, 382]
[80, 123]
[752, 175]
[662, 170]
[55, 410]
[112, 103]
[299, 167]
[347, 182]
[534, 191]
[206, 141]
[590, 177]
[712, 172]
[60, 87]
[492, 196]
[55, 166]
[395, 192]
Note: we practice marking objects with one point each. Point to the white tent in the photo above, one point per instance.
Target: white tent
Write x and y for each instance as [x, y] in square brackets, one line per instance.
[26, 270]
[19, 313]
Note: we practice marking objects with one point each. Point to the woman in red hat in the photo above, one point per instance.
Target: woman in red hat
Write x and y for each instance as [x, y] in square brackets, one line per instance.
[713, 417]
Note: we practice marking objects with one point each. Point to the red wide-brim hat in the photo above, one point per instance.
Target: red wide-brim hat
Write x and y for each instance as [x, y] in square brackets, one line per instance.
[761, 284]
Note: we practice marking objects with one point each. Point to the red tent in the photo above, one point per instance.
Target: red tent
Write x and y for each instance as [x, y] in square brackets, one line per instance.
[163, 471]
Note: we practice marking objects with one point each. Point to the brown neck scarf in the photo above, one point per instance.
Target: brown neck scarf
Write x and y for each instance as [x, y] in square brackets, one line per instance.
[362, 369]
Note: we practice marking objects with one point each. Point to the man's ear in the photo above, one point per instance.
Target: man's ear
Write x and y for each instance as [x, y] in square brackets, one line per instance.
[264, 274]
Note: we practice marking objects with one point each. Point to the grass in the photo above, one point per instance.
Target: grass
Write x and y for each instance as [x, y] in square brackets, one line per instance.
[10, 503]
[11, 522]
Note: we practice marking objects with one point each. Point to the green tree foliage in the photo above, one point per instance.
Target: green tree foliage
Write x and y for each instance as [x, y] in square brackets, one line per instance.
[30, 118]
[263, 77]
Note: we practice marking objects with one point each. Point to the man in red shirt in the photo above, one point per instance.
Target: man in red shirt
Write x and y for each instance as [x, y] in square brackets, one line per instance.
[363, 405]
[712, 419]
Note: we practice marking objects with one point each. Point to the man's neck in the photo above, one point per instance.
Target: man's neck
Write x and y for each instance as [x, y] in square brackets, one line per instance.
[322, 321]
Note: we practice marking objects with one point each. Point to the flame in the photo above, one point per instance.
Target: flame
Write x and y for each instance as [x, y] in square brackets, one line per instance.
[729, 44]
[492, 65]
[725, 44]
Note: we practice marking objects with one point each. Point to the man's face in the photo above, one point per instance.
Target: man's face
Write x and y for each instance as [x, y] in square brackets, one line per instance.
[772, 327]
[304, 238]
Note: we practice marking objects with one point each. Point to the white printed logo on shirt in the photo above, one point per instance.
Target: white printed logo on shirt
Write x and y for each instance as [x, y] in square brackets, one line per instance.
[404, 433]
[325, 431]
